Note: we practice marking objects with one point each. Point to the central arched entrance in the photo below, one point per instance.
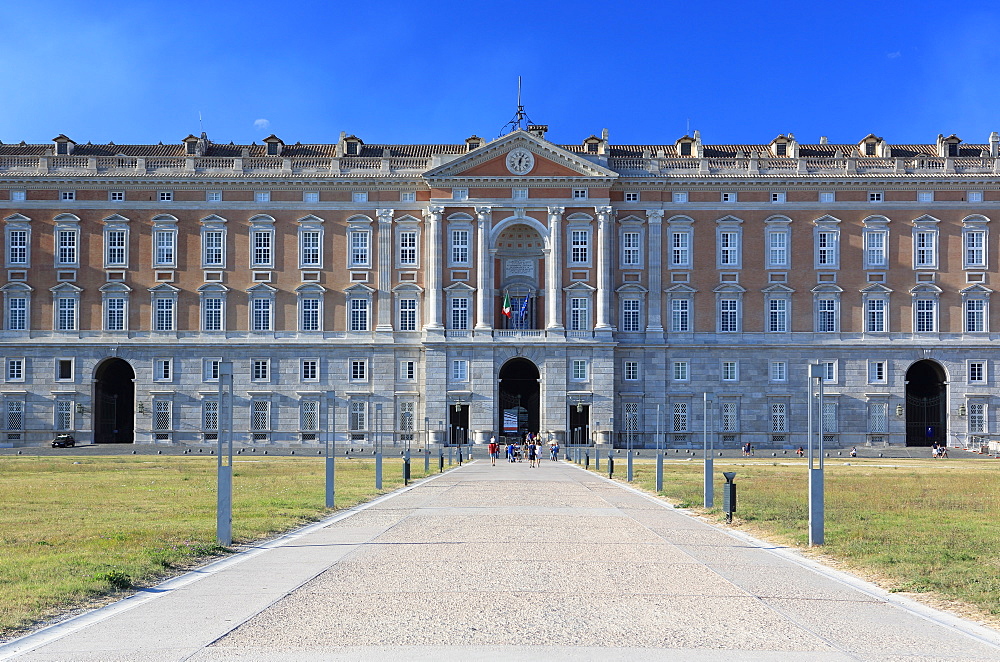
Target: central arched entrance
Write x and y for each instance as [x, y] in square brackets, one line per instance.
[519, 397]
[925, 404]
[114, 403]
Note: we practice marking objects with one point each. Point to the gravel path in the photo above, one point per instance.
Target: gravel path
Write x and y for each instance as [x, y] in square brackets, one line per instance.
[514, 563]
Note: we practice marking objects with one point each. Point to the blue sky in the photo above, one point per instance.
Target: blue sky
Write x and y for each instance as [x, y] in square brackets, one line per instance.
[425, 72]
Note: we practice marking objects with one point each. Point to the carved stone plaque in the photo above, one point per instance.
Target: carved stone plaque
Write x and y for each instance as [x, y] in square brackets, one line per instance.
[519, 267]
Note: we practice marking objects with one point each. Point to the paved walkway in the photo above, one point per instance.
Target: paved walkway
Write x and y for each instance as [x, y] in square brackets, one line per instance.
[513, 563]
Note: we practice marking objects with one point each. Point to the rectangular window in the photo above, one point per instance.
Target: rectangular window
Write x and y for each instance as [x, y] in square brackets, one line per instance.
[729, 249]
[679, 421]
[210, 415]
[680, 371]
[975, 316]
[730, 416]
[777, 315]
[876, 372]
[260, 370]
[64, 415]
[579, 314]
[165, 242]
[630, 249]
[630, 315]
[631, 371]
[977, 372]
[114, 248]
[826, 315]
[15, 370]
[827, 196]
[67, 195]
[260, 314]
[778, 197]
[977, 417]
[260, 415]
[309, 416]
[826, 249]
[876, 255]
[407, 196]
[460, 313]
[262, 196]
[17, 314]
[17, 247]
[67, 246]
[162, 370]
[875, 315]
[309, 320]
[779, 417]
[262, 246]
[777, 248]
[459, 194]
[579, 246]
[310, 196]
[211, 314]
[829, 372]
[779, 371]
[407, 370]
[210, 370]
[925, 196]
[925, 253]
[729, 197]
[358, 315]
[359, 196]
[360, 240]
[680, 315]
[66, 314]
[213, 196]
[114, 314]
[579, 369]
[680, 249]
[579, 194]
[874, 196]
[64, 370]
[926, 315]
[359, 370]
[162, 415]
[729, 320]
[878, 417]
[730, 371]
[407, 314]
[975, 248]
[358, 418]
[309, 248]
[460, 370]
[519, 194]
[408, 248]
[166, 196]
[460, 246]
[631, 196]
[680, 197]
[212, 248]
[18, 196]
[974, 196]
[310, 370]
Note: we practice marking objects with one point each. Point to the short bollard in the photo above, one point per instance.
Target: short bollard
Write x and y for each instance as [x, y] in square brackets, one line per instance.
[459, 456]
[729, 495]
[586, 460]
[597, 460]
[611, 465]
[441, 461]
[406, 468]
[629, 474]
[427, 460]
[378, 471]
[659, 471]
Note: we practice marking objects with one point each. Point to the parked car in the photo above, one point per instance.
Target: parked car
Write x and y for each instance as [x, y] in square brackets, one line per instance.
[63, 441]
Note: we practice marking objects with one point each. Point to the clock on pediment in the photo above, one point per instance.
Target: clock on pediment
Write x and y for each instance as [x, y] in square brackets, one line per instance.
[520, 161]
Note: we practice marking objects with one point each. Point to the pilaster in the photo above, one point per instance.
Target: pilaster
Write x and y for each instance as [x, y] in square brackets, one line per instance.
[484, 269]
[604, 261]
[384, 324]
[434, 252]
[553, 271]
[654, 257]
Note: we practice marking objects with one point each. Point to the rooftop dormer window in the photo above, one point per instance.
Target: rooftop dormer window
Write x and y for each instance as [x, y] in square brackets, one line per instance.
[274, 145]
[781, 149]
[685, 149]
[593, 144]
[473, 142]
[869, 149]
[64, 145]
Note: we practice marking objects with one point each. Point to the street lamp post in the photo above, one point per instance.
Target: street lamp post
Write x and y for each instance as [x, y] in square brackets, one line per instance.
[597, 454]
[816, 497]
[659, 454]
[427, 445]
[331, 450]
[224, 465]
[378, 446]
[708, 449]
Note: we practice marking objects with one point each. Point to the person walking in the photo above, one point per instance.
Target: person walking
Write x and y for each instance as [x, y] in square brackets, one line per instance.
[494, 450]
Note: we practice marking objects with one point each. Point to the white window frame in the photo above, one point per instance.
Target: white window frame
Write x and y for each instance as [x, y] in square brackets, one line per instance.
[261, 313]
[359, 196]
[460, 246]
[213, 196]
[729, 196]
[681, 240]
[777, 372]
[876, 313]
[407, 313]
[67, 312]
[165, 196]
[459, 313]
[204, 311]
[163, 369]
[778, 246]
[925, 314]
[680, 314]
[976, 371]
[116, 238]
[580, 194]
[925, 244]
[310, 196]
[729, 306]
[164, 312]
[15, 369]
[925, 196]
[631, 315]
[875, 197]
[408, 248]
[408, 196]
[164, 245]
[17, 310]
[18, 195]
[876, 247]
[679, 197]
[260, 370]
[680, 371]
[262, 247]
[460, 194]
[67, 249]
[778, 197]
[827, 196]
[630, 370]
[631, 256]
[212, 229]
[519, 193]
[310, 312]
[973, 320]
[21, 257]
[579, 313]
[878, 372]
[359, 314]
[210, 369]
[827, 248]
[579, 246]
[310, 246]
[358, 370]
[67, 196]
[631, 196]
[108, 309]
[729, 371]
[359, 243]
[309, 370]
[729, 244]
[407, 370]
[460, 370]
[579, 370]
[779, 314]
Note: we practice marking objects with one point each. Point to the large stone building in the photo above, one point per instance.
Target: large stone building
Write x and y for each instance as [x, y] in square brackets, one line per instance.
[454, 291]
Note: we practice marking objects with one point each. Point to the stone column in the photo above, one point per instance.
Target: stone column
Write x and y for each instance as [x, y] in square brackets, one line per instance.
[654, 258]
[553, 271]
[434, 256]
[605, 217]
[484, 270]
[384, 304]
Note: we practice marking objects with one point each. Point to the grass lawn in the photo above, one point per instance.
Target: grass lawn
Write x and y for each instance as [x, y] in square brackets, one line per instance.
[917, 525]
[76, 528]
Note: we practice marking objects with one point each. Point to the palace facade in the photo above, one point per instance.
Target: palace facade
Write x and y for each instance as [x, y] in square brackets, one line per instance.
[450, 292]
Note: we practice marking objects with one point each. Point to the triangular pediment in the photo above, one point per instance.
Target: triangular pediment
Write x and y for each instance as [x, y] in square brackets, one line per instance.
[548, 161]
[875, 288]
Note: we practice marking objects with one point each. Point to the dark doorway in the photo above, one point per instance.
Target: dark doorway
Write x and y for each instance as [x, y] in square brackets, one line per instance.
[458, 424]
[579, 424]
[925, 404]
[114, 403]
[519, 401]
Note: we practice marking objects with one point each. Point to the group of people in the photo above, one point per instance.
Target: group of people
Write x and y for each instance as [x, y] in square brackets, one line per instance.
[938, 451]
[747, 450]
[530, 448]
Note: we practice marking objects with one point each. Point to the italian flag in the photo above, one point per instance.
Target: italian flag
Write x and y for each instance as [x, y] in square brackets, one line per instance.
[506, 305]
